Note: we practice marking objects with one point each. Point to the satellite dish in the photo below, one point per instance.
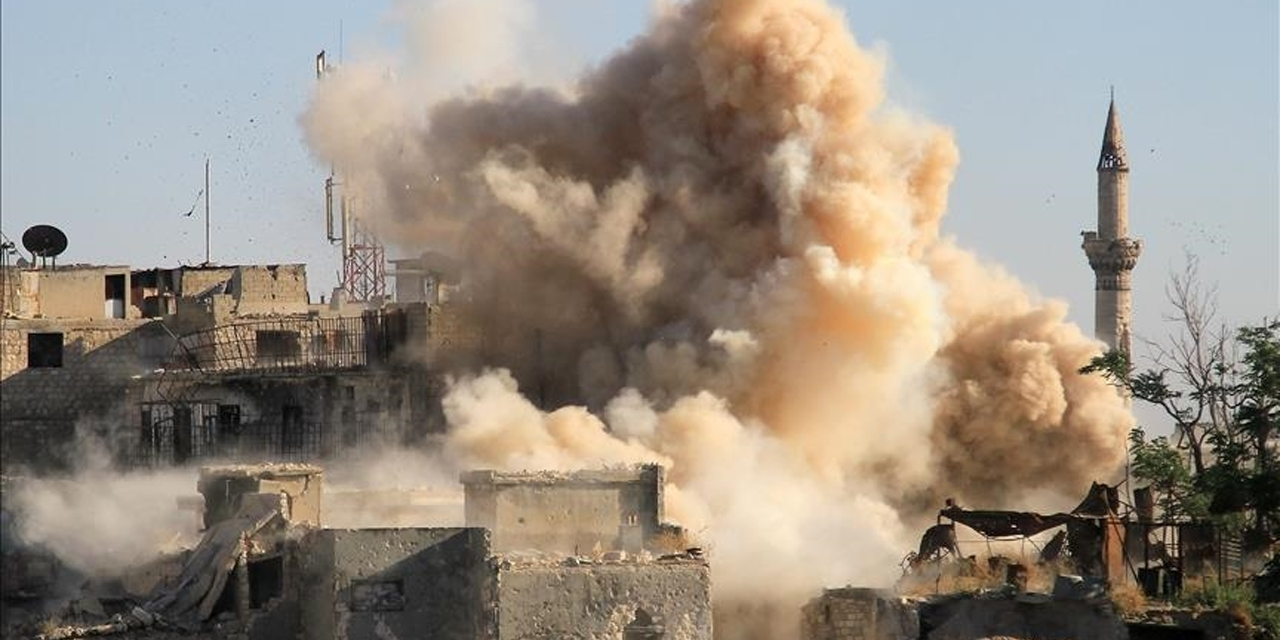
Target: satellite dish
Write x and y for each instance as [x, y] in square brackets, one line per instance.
[44, 241]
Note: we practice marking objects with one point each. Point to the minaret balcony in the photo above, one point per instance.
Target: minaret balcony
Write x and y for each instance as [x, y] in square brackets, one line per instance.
[1111, 256]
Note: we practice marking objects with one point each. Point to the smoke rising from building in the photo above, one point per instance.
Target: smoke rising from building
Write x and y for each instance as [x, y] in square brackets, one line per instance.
[720, 250]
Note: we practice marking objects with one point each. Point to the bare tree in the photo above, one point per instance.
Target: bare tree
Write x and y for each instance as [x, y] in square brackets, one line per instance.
[1193, 369]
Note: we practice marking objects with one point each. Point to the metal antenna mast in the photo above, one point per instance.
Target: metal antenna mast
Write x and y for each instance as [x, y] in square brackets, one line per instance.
[364, 259]
[206, 211]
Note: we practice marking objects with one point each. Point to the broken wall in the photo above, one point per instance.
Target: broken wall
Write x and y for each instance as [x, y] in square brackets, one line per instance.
[222, 487]
[269, 289]
[363, 584]
[668, 599]
[210, 296]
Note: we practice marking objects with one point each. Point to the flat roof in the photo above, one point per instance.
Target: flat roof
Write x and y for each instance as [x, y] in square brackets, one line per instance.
[264, 470]
[612, 475]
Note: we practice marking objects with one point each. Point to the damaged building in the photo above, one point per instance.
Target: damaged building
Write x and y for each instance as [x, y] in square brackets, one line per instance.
[267, 567]
[210, 362]
[71, 341]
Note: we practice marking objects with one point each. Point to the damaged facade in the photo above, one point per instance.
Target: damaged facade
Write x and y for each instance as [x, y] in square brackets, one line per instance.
[204, 362]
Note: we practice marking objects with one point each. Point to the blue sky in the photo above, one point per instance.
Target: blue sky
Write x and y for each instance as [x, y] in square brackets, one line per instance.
[108, 109]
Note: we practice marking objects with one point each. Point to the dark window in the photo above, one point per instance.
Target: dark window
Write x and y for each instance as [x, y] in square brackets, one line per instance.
[278, 345]
[44, 350]
[228, 421]
[145, 278]
[266, 581]
[114, 295]
[181, 434]
[147, 444]
[377, 595]
[291, 429]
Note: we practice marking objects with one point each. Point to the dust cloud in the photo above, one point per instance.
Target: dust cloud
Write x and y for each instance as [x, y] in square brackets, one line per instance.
[101, 522]
[720, 249]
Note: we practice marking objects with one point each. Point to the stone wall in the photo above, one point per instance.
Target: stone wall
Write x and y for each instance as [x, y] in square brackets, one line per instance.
[668, 599]
[365, 584]
[41, 406]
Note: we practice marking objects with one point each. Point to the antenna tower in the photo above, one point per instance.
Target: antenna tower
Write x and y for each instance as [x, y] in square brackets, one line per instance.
[364, 258]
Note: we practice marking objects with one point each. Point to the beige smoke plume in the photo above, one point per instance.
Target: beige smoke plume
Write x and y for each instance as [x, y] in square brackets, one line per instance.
[721, 242]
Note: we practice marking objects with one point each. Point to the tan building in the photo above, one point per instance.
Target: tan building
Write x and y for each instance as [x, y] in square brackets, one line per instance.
[73, 337]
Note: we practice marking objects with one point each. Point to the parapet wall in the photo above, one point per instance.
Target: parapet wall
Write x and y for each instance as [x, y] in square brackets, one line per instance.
[571, 513]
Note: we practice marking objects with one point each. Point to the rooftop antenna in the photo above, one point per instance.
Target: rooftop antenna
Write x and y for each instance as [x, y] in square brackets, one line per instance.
[1113, 93]
[363, 255]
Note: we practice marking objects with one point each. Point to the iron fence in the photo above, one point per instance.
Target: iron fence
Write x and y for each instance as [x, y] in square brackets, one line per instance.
[292, 343]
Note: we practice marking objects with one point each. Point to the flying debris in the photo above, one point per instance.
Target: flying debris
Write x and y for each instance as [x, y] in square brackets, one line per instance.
[194, 204]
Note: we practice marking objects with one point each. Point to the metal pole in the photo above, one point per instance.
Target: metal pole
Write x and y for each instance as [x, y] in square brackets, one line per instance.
[206, 210]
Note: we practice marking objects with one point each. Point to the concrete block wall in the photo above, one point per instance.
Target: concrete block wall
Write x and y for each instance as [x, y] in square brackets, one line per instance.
[431, 584]
[617, 601]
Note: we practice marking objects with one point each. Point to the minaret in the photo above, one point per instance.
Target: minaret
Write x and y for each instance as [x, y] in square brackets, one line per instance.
[1112, 253]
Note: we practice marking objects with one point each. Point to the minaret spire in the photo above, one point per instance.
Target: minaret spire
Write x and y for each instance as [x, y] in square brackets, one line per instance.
[1112, 253]
[1113, 155]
